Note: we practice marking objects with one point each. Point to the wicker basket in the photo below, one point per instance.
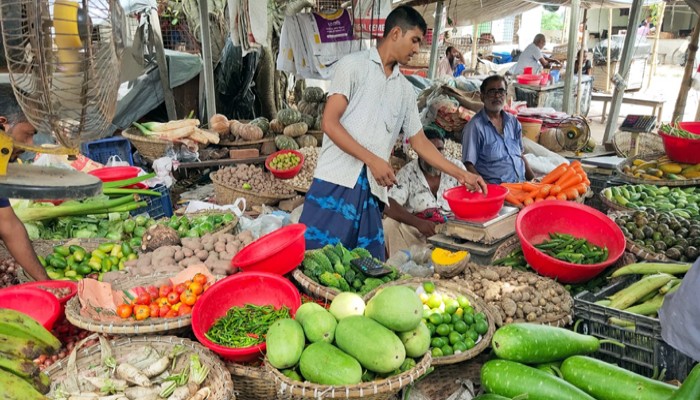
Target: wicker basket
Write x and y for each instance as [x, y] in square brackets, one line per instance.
[312, 288]
[149, 148]
[226, 194]
[632, 247]
[448, 379]
[448, 287]
[83, 359]
[45, 247]
[647, 143]
[611, 205]
[129, 326]
[385, 389]
[659, 182]
[252, 383]
[506, 248]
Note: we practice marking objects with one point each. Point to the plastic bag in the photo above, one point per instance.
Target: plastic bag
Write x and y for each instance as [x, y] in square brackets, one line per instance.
[263, 224]
[163, 168]
[116, 161]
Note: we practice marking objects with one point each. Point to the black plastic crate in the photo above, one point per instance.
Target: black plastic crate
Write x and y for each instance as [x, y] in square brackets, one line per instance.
[598, 183]
[157, 207]
[645, 351]
[102, 150]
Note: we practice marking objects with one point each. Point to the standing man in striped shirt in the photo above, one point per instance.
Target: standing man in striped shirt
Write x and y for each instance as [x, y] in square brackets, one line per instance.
[369, 104]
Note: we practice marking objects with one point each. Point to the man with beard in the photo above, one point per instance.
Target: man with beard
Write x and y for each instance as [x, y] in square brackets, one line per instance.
[492, 144]
[448, 64]
[12, 231]
[416, 204]
[532, 57]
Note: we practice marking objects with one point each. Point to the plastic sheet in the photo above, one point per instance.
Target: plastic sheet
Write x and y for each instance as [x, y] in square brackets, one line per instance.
[234, 81]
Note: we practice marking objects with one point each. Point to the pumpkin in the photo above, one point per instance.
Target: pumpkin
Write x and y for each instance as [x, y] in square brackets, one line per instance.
[247, 131]
[288, 116]
[449, 263]
[232, 126]
[286, 143]
[307, 141]
[276, 126]
[296, 130]
[262, 123]
[308, 120]
[268, 148]
[219, 124]
[317, 123]
[313, 94]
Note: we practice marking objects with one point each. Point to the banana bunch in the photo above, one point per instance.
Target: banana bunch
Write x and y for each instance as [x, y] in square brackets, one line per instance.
[22, 339]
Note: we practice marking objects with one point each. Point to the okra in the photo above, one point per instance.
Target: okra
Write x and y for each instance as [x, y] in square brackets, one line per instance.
[651, 268]
[631, 294]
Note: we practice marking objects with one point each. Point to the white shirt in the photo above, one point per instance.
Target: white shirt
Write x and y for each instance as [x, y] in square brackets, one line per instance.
[415, 195]
[530, 57]
[379, 107]
[444, 68]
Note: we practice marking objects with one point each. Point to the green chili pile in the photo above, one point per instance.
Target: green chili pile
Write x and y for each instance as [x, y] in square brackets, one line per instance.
[245, 326]
[575, 250]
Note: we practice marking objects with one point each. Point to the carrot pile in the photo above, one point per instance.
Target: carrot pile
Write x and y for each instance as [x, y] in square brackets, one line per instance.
[565, 182]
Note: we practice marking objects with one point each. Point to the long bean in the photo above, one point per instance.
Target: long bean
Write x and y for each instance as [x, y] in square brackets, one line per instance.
[245, 326]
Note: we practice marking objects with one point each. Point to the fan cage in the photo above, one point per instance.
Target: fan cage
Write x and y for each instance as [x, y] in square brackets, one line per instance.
[577, 143]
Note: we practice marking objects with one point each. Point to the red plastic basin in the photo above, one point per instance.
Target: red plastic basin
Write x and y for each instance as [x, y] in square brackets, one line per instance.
[287, 173]
[53, 285]
[259, 288]
[109, 174]
[529, 79]
[278, 252]
[680, 149]
[473, 206]
[537, 221]
[38, 304]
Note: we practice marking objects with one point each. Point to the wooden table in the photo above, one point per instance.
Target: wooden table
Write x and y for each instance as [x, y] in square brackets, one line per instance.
[657, 105]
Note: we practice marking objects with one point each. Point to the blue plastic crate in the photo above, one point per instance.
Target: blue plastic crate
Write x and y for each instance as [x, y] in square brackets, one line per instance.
[157, 207]
[102, 150]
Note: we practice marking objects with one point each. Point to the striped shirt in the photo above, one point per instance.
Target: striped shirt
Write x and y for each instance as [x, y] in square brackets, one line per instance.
[379, 107]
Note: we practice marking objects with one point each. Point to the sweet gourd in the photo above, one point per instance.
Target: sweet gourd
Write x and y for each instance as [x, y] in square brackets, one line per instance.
[286, 143]
[449, 263]
[296, 130]
[308, 120]
[307, 141]
[219, 124]
[246, 131]
[313, 94]
[276, 126]
[262, 123]
[288, 116]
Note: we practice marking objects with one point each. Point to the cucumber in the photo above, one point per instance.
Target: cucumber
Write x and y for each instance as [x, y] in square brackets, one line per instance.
[690, 389]
[510, 379]
[609, 382]
[537, 344]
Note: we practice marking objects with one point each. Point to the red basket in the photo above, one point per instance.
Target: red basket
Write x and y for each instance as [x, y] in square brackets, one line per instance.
[474, 206]
[287, 173]
[680, 149]
[537, 221]
[278, 252]
[38, 304]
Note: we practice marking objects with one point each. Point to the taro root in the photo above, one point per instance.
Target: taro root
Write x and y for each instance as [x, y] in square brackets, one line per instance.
[159, 235]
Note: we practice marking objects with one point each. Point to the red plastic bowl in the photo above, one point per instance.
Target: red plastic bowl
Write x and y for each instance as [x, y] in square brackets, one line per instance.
[680, 149]
[259, 288]
[109, 174]
[38, 304]
[473, 206]
[54, 285]
[535, 222]
[529, 79]
[287, 173]
[278, 252]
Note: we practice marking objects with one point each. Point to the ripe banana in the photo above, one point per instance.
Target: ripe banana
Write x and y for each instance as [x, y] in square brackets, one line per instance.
[20, 347]
[19, 366]
[20, 325]
[16, 388]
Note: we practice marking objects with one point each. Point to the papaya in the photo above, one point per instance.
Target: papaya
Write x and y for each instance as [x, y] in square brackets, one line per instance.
[376, 348]
[325, 364]
[671, 168]
[692, 175]
[319, 326]
[396, 307]
[305, 310]
[285, 343]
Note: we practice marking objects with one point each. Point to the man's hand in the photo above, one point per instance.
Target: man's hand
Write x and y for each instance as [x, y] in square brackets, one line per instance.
[473, 182]
[382, 172]
[426, 228]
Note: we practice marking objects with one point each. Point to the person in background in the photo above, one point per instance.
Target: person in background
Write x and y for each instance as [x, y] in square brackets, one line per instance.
[645, 28]
[448, 65]
[492, 144]
[12, 231]
[532, 57]
[416, 205]
[587, 68]
[369, 103]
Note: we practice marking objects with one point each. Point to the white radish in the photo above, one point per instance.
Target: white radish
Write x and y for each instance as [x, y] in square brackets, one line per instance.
[141, 393]
[131, 374]
[201, 394]
[183, 392]
[157, 367]
[106, 385]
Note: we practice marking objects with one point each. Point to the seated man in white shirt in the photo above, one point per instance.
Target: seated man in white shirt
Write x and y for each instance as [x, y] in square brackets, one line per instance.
[448, 65]
[416, 204]
[532, 57]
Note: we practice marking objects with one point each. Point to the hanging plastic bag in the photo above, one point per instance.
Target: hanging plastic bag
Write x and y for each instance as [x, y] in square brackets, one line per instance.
[116, 161]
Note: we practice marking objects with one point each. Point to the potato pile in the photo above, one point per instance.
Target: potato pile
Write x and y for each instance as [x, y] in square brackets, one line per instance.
[306, 174]
[251, 177]
[215, 251]
[452, 150]
[516, 296]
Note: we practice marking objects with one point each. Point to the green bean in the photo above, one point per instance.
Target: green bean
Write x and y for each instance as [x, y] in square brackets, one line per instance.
[575, 250]
[245, 326]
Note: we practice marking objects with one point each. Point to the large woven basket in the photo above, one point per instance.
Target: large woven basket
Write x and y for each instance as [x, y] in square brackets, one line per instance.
[82, 359]
[660, 182]
[45, 247]
[385, 389]
[129, 326]
[451, 288]
[647, 143]
[252, 383]
[448, 379]
[149, 148]
[611, 205]
[227, 194]
[312, 288]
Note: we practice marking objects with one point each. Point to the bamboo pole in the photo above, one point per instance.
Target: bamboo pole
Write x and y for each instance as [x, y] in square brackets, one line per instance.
[607, 58]
[579, 72]
[568, 105]
[655, 47]
[679, 110]
[475, 46]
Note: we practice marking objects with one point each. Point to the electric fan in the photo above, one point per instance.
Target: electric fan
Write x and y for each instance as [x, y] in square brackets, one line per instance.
[572, 133]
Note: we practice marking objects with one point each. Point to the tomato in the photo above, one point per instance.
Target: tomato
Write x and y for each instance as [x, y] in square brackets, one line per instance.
[141, 312]
[196, 288]
[200, 278]
[180, 287]
[164, 290]
[207, 286]
[173, 297]
[171, 314]
[162, 301]
[143, 299]
[188, 297]
[163, 310]
[187, 282]
[154, 309]
[124, 310]
[184, 310]
[176, 306]
[152, 291]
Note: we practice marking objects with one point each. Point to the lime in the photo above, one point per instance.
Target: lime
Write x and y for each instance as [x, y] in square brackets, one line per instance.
[436, 352]
[435, 318]
[455, 337]
[423, 298]
[246, 186]
[481, 326]
[446, 318]
[459, 347]
[431, 328]
[463, 301]
[427, 313]
[460, 326]
[480, 316]
[435, 300]
[455, 318]
[469, 343]
[447, 350]
[429, 287]
[468, 310]
[438, 342]
[443, 330]
[451, 305]
[471, 333]
[468, 319]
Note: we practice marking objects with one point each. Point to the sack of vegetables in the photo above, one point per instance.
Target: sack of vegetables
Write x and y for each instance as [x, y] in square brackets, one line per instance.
[149, 367]
[156, 303]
